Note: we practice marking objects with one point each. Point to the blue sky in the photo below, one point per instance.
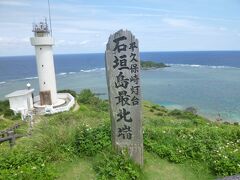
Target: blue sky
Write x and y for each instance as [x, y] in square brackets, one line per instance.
[160, 25]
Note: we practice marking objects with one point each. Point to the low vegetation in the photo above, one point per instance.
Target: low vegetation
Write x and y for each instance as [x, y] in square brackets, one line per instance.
[152, 65]
[73, 93]
[180, 136]
[7, 116]
[5, 111]
[178, 145]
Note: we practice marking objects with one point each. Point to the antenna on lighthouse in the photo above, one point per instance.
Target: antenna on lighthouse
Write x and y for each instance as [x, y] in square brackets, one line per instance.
[49, 14]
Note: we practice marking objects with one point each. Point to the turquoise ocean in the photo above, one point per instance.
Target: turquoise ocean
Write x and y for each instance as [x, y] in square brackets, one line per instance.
[208, 81]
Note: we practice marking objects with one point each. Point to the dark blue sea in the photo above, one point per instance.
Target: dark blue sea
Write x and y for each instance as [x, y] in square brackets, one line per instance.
[208, 80]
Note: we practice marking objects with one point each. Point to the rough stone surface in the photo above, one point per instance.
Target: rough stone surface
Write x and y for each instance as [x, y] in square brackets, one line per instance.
[123, 77]
[236, 177]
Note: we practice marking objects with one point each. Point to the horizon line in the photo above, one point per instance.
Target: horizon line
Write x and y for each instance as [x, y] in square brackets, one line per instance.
[140, 52]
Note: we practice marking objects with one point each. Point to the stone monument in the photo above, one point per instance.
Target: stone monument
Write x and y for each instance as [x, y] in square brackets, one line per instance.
[123, 78]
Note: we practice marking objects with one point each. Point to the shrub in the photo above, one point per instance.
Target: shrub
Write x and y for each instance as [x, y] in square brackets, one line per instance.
[110, 165]
[175, 112]
[85, 96]
[24, 163]
[155, 107]
[4, 105]
[182, 114]
[89, 140]
[53, 141]
[151, 110]
[218, 147]
[160, 114]
[89, 98]
[16, 116]
[236, 123]
[8, 113]
[192, 110]
[73, 93]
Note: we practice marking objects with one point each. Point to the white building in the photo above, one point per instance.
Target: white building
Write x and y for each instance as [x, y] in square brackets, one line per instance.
[21, 101]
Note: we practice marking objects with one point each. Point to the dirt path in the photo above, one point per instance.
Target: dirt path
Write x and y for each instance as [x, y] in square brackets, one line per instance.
[76, 107]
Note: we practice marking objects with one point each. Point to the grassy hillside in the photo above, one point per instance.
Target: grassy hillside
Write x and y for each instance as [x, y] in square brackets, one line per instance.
[77, 145]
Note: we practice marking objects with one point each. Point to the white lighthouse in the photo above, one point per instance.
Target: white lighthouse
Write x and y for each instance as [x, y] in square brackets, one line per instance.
[43, 43]
[48, 101]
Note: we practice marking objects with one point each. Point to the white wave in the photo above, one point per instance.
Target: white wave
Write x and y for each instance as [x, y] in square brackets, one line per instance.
[195, 65]
[92, 70]
[201, 66]
[62, 74]
[221, 67]
[72, 72]
[3, 82]
[29, 78]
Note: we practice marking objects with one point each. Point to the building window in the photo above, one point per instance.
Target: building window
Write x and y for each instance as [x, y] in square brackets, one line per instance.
[44, 82]
[40, 48]
[42, 65]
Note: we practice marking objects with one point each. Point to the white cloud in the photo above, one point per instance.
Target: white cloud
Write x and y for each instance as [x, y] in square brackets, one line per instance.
[84, 42]
[60, 42]
[66, 43]
[13, 40]
[144, 15]
[222, 28]
[80, 26]
[76, 30]
[104, 43]
[179, 23]
[14, 3]
[147, 9]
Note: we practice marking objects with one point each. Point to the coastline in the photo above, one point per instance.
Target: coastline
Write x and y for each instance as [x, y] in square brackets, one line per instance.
[212, 118]
[212, 90]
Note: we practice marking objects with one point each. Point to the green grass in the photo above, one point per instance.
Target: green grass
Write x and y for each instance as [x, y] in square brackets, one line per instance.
[160, 169]
[180, 136]
[6, 123]
[77, 145]
[80, 168]
[7, 117]
[155, 168]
